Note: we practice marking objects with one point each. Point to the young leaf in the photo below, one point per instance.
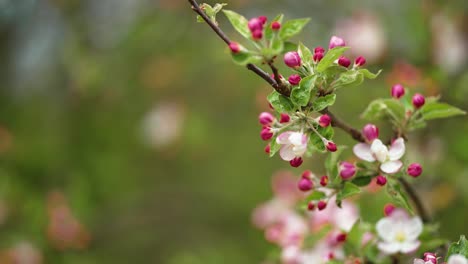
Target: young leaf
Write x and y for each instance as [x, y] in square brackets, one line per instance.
[268, 31]
[397, 196]
[210, 11]
[300, 95]
[435, 110]
[304, 53]
[362, 181]
[239, 22]
[330, 57]
[348, 190]
[368, 74]
[460, 247]
[274, 146]
[316, 142]
[289, 46]
[244, 58]
[384, 108]
[292, 27]
[280, 103]
[315, 196]
[323, 102]
[349, 78]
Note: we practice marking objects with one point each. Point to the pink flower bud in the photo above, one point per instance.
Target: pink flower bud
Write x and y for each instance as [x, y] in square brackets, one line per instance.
[418, 100]
[398, 91]
[266, 133]
[324, 180]
[267, 149]
[305, 184]
[336, 42]
[257, 34]
[324, 120]
[311, 206]
[319, 49]
[430, 257]
[318, 57]
[275, 25]
[321, 205]
[388, 209]
[234, 47]
[294, 79]
[360, 61]
[284, 118]
[296, 162]
[414, 170]
[343, 61]
[306, 174]
[370, 132]
[255, 24]
[292, 59]
[331, 146]
[381, 180]
[266, 118]
[341, 237]
[263, 19]
[347, 170]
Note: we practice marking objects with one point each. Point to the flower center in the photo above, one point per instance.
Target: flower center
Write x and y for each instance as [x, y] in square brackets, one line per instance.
[400, 236]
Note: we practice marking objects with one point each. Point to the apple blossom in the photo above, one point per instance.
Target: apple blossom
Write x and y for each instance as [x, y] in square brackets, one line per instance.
[381, 180]
[318, 57]
[389, 158]
[418, 100]
[266, 133]
[360, 61]
[292, 59]
[284, 118]
[343, 61]
[370, 132]
[331, 146]
[321, 205]
[399, 233]
[234, 47]
[398, 91]
[324, 180]
[294, 79]
[324, 120]
[296, 162]
[275, 25]
[414, 170]
[266, 118]
[336, 42]
[319, 49]
[457, 259]
[305, 184]
[293, 144]
[347, 170]
[255, 24]
[388, 209]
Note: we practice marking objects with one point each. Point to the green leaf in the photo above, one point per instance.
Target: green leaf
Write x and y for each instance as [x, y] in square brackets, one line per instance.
[331, 163]
[323, 102]
[315, 196]
[348, 190]
[289, 46]
[397, 196]
[385, 108]
[280, 103]
[316, 142]
[460, 247]
[277, 46]
[331, 56]
[239, 22]
[304, 53]
[210, 11]
[300, 94]
[362, 181]
[368, 74]
[268, 31]
[274, 146]
[292, 27]
[435, 110]
[244, 58]
[349, 78]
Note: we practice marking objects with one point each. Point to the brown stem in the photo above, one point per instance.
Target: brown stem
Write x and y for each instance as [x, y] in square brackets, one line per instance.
[422, 212]
[336, 122]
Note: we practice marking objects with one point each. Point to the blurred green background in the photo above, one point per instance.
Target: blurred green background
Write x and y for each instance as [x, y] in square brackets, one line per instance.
[128, 136]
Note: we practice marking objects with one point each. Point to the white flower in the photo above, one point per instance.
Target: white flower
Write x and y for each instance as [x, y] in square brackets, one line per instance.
[399, 233]
[388, 157]
[420, 261]
[457, 259]
[294, 144]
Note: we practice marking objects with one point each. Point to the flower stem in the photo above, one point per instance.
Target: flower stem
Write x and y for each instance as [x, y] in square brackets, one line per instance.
[422, 212]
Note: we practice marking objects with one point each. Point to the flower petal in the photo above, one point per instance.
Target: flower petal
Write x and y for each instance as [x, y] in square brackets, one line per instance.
[413, 228]
[363, 151]
[391, 166]
[287, 153]
[283, 138]
[409, 246]
[296, 138]
[457, 259]
[386, 229]
[418, 261]
[397, 150]
[379, 150]
[389, 248]
[299, 150]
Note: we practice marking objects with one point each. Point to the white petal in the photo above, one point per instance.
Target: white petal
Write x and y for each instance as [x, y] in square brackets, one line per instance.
[413, 228]
[389, 248]
[287, 153]
[299, 150]
[457, 259]
[296, 138]
[397, 150]
[386, 229]
[391, 166]
[283, 138]
[379, 150]
[363, 151]
[409, 247]
[418, 261]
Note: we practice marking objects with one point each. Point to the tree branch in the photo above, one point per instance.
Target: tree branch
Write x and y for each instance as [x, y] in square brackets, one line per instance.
[336, 122]
[416, 200]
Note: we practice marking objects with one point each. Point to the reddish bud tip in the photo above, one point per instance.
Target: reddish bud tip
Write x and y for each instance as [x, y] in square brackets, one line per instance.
[292, 59]
[296, 162]
[336, 42]
[267, 149]
[418, 100]
[324, 120]
[370, 132]
[343, 61]
[341, 237]
[414, 170]
[331, 146]
[321, 205]
[234, 47]
[388, 209]
[319, 49]
[284, 118]
[324, 180]
[255, 24]
[381, 180]
[307, 174]
[347, 170]
[398, 91]
[305, 184]
[275, 25]
[311, 206]
[266, 133]
[318, 57]
[257, 34]
[430, 257]
[263, 19]
[294, 79]
[266, 118]
[360, 61]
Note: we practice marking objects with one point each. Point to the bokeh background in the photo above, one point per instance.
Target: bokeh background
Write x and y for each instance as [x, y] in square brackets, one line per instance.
[128, 136]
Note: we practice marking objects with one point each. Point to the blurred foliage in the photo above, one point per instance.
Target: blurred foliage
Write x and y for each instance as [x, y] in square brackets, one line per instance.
[81, 77]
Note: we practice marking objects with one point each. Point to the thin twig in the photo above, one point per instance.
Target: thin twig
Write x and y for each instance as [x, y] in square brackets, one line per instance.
[422, 212]
[336, 122]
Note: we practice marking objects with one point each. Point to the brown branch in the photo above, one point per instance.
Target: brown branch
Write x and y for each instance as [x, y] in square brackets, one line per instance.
[275, 83]
[422, 212]
[336, 122]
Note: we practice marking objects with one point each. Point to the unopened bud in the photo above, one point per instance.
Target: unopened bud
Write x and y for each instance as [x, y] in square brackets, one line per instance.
[266, 118]
[263, 19]
[324, 180]
[388, 209]
[311, 206]
[307, 174]
[341, 237]
[343, 61]
[318, 57]
[234, 47]
[360, 61]
[324, 120]
[257, 34]
[255, 24]
[275, 25]
[418, 100]
[381, 180]
[292, 59]
[284, 118]
[347, 170]
[331, 146]
[398, 91]
[370, 132]
[336, 42]
[319, 49]
[414, 170]
[321, 205]
[294, 79]
[430, 257]
[266, 133]
[305, 184]
[267, 149]
[296, 162]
